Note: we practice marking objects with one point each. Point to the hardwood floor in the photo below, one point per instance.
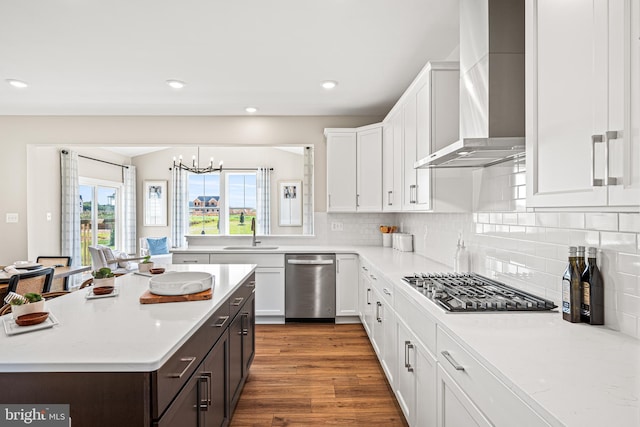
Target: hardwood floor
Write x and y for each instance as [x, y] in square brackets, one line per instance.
[309, 374]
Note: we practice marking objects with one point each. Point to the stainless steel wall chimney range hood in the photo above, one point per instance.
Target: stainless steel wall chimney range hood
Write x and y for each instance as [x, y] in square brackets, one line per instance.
[492, 110]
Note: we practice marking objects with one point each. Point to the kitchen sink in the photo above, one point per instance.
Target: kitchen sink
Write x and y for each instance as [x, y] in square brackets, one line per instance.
[249, 248]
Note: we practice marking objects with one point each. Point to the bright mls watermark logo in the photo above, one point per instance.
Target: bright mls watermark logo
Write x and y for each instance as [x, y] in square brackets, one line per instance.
[34, 415]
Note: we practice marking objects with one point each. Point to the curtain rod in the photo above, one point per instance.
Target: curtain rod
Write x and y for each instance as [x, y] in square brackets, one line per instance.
[98, 160]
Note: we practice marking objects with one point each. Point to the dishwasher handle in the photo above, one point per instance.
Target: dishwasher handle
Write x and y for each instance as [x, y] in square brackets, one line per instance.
[310, 261]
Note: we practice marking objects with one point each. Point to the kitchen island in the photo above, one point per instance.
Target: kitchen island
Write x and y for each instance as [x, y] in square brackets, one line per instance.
[118, 362]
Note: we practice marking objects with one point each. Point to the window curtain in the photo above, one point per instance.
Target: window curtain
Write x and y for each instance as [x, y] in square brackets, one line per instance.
[307, 194]
[129, 199]
[263, 214]
[179, 214]
[71, 208]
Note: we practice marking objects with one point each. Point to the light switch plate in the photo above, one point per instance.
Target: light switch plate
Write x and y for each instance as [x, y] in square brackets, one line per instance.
[336, 226]
[12, 217]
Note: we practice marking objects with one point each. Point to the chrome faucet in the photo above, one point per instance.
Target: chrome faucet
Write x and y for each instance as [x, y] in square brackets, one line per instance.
[254, 242]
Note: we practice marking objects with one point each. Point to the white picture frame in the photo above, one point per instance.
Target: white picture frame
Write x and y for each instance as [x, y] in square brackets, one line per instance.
[155, 203]
[290, 203]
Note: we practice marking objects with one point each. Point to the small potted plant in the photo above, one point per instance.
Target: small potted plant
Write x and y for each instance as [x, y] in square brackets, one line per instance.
[103, 277]
[146, 264]
[31, 303]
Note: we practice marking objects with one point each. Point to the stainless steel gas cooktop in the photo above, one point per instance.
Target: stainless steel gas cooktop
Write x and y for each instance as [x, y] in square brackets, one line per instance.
[460, 292]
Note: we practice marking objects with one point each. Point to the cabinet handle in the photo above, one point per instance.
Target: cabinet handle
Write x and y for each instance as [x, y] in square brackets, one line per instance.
[329, 196]
[407, 362]
[389, 199]
[378, 305]
[189, 261]
[221, 321]
[337, 266]
[373, 277]
[412, 193]
[386, 291]
[451, 360]
[364, 268]
[205, 377]
[245, 331]
[595, 139]
[357, 200]
[368, 300]
[251, 284]
[184, 359]
[237, 301]
[608, 136]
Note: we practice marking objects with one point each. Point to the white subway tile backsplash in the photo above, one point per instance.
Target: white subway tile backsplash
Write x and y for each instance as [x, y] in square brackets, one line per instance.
[526, 219]
[629, 324]
[571, 220]
[601, 221]
[629, 222]
[547, 219]
[510, 218]
[495, 218]
[619, 242]
[628, 264]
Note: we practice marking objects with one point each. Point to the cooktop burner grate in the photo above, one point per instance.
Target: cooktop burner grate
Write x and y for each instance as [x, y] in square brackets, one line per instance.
[460, 292]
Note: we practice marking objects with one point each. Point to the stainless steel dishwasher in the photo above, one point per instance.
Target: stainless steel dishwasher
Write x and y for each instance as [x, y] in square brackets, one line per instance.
[310, 287]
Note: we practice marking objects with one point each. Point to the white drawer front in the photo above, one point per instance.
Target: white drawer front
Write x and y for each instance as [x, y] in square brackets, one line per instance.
[384, 288]
[191, 258]
[262, 260]
[422, 325]
[488, 393]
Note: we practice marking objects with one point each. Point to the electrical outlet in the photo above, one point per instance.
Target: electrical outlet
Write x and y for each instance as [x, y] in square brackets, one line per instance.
[12, 217]
[336, 226]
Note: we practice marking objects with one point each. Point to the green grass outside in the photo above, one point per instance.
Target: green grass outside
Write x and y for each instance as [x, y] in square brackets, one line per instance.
[211, 225]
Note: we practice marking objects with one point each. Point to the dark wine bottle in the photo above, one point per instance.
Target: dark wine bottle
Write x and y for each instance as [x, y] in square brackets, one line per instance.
[571, 292]
[581, 260]
[592, 307]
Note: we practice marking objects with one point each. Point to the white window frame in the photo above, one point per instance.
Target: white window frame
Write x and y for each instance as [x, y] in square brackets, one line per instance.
[119, 211]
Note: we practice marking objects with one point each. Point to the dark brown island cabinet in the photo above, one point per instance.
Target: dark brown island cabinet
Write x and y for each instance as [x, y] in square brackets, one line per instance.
[198, 386]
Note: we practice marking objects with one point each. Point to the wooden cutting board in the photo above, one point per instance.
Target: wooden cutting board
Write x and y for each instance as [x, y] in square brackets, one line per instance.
[148, 298]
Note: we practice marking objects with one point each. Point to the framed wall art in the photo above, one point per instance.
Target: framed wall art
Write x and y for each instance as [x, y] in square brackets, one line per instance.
[290, 203]
[155, 203]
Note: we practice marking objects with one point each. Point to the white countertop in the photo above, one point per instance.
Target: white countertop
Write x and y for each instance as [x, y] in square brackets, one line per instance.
[571, 374]
[117, 333]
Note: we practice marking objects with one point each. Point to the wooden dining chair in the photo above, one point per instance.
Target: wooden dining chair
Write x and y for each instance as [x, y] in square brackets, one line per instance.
[56, 261]
[37, 281]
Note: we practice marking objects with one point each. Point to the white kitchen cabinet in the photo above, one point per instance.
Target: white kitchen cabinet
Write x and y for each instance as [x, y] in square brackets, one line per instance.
[341, 170]
[346, 285]
[455, 409]
[269, 286]
[269, 291]
[369, 169]
[366, 302]
[415, 384]
[191, 258]
[392, 165]
[354, 169]
[425, 119]
[583, 103]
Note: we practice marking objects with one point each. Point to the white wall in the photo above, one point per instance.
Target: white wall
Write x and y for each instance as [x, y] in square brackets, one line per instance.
[17, 132]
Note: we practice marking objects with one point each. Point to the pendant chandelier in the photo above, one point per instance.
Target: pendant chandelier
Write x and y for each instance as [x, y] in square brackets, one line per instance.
[194, 168]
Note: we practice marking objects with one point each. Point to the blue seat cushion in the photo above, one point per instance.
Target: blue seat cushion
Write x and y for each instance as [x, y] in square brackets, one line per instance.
[157, 246]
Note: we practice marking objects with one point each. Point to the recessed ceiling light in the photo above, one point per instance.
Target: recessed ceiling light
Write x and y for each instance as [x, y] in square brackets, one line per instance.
[17, 83]
[176, 84]
[251, 109]
[329, 84]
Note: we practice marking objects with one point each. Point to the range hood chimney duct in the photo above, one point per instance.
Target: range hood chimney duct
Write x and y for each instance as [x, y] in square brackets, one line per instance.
[492, 87]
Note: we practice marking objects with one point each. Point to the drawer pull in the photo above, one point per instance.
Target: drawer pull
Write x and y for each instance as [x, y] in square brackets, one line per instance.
[368, 300]
[378, 306]
[205, 377]
[221, 321]
[451, 360]
[386, 291]
[251, 284]
[189, 261]
[244, 331]
[373, 277]
[184, 359]
[237, 301]
[364, 268]
[407, 362]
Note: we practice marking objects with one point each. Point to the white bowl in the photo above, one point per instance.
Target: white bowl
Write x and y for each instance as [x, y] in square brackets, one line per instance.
[180, 283]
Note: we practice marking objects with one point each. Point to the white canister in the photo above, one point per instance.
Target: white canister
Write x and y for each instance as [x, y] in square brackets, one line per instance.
[405, 242]
[386, 239]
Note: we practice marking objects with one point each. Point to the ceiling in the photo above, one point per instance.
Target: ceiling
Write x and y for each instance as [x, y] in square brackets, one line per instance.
[96, 57]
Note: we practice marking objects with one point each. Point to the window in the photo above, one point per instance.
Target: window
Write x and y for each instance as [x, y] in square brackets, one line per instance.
[99, 216]
[227, 212]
